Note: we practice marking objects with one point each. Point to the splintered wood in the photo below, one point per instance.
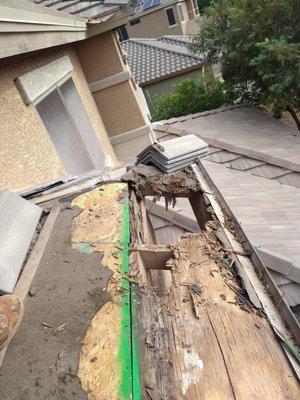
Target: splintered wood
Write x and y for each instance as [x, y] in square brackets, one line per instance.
[148, 181]
[201, 342]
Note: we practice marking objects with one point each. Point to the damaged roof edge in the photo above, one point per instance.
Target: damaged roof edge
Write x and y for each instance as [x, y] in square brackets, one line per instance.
[278, 299]
[26, 27]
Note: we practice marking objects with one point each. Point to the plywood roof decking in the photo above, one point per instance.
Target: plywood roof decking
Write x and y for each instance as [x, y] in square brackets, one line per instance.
[198, 344]
[63, 281]
[202, 345]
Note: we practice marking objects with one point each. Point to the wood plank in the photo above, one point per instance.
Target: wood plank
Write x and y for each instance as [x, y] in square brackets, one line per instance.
[249, 284]
[154, 256]
[165, 232]
[202, 344]
[26, 278]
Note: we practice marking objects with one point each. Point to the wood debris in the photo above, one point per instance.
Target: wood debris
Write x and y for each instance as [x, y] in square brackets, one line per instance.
[45, 325]
[59, 328]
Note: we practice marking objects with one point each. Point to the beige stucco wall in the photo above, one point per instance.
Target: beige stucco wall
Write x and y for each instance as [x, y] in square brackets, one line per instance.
[155, 24]
[119, 108]
[100, 56]
[118, 105]
[27, 155]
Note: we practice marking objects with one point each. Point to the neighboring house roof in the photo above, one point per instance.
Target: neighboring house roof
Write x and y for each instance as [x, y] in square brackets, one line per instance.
[156, 59]
[254, 165]
[92, 9]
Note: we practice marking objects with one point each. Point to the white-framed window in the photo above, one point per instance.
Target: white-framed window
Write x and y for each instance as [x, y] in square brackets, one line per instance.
[171, 16]
[180, 12]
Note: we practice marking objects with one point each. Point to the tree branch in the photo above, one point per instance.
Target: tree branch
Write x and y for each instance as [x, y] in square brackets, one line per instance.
[294, 116]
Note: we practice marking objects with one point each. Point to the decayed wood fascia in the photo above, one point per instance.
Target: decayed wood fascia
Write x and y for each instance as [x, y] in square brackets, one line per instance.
[236, 245]
[247, 270]
[79, 185]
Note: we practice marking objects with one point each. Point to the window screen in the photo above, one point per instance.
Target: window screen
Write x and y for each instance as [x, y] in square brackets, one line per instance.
[64, 134]
[70, 129]
[171, 16]
[82, 122]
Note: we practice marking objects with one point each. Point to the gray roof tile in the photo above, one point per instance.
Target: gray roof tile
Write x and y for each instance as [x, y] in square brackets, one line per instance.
[151, 59]
[247, 131]
[90, 9]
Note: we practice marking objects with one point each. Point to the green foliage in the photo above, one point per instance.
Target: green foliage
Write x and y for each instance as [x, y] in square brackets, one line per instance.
[191, 96]
[256, 43]
[202, 4]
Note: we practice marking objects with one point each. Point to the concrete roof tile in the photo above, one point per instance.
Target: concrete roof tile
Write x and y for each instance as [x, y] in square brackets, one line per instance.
[151, 59]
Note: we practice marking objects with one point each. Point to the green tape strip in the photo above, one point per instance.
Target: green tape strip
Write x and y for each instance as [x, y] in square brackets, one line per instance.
[128, 354]
[124, 353]
[136, 384]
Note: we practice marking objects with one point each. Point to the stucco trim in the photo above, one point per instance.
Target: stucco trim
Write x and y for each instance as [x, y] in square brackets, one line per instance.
[110, 81]
[35, 83]
[135, 133]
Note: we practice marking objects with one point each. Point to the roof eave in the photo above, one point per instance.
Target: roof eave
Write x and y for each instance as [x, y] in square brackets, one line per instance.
[118, 18]
[26, 27]
[173, 74]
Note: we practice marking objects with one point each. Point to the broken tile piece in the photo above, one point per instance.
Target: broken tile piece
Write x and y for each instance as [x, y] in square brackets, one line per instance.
[18, 221]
